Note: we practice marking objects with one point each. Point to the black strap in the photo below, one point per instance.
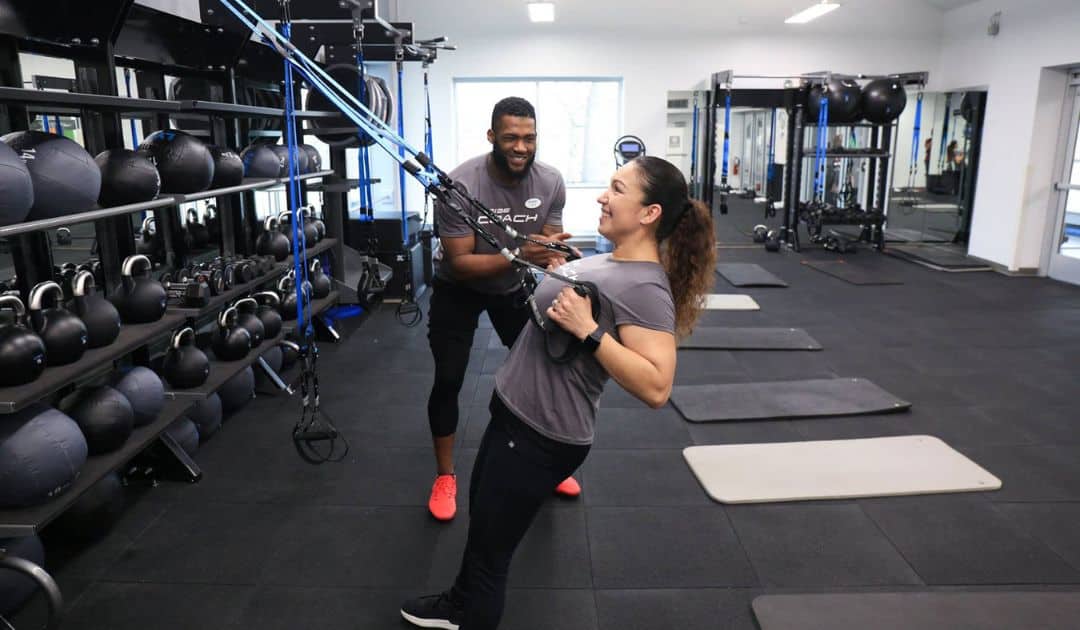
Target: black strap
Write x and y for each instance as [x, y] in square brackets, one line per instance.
[586, 290]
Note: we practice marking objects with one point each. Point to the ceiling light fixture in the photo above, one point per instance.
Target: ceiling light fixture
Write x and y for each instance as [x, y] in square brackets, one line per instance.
[812, 13]
[542, 11]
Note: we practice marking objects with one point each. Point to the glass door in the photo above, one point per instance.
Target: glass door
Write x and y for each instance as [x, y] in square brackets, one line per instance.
[1065, 257]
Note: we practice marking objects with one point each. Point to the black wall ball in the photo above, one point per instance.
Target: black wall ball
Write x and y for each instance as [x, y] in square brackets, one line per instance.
[126, 177]
[16, 187]
[184, 162]
[66, 179]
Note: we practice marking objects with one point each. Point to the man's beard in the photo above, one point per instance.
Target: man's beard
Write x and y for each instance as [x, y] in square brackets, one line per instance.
[503, 165]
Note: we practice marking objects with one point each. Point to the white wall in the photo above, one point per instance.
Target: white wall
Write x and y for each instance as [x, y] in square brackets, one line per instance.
[649, 68]
[1013, 211]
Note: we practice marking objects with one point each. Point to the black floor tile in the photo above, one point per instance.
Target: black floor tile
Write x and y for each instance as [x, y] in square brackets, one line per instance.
[703, 609]
[1042, 424]
[352, 547]
[951, 539]
[818, 545]
[705, 433]
[289, 608]
[1031, 473]
[957, 426]
[640, 428]
[549, 609]
[1055, 524]
[90, 560]
[627, 478]
[202, 543]
[679, 547]
[131, 606]
[553, 554]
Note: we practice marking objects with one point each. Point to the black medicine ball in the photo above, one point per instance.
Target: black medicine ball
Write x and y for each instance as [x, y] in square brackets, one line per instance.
[16, 187]
[883, 101]
[314, 159]
[844, 98]
[66, 180]
[126, 177]
[184, 162]
[261, 161]
[228, 168]
[303, 162]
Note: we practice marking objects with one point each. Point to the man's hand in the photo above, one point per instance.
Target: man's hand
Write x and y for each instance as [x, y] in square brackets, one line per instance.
[542, 256]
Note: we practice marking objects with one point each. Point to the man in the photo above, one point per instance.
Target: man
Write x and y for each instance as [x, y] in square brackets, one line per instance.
[473, 277]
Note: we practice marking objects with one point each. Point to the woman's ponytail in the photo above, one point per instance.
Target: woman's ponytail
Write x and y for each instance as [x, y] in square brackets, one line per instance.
[689, 256]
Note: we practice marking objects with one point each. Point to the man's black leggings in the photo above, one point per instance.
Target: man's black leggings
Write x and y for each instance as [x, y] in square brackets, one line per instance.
[516, 470]
[452, 321]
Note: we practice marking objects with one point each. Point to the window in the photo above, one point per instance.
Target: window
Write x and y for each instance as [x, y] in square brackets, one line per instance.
[578, 121]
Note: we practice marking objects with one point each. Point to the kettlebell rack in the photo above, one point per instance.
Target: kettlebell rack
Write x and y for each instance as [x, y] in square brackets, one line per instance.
[154, 45]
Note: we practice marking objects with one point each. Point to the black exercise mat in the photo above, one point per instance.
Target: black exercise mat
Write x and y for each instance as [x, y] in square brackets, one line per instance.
[722, 338]
[853, 273]
[947, 258]
[783, 399]
[922, 611]
[748, 275]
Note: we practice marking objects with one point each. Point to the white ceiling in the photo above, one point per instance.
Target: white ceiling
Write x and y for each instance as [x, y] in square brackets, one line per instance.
[861, 18]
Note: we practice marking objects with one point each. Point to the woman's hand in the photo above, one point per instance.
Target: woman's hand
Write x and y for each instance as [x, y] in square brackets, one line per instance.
[573, 313]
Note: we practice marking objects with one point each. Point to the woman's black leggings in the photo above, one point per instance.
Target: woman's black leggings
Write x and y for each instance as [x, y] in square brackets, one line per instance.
[516, 470]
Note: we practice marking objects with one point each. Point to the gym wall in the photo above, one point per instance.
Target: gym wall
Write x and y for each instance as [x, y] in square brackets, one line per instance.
[1022, 67]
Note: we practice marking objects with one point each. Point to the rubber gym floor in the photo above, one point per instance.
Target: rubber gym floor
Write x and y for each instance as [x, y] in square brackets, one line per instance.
[267, 541]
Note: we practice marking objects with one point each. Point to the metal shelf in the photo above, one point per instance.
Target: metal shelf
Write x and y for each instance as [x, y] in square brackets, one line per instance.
[63, 102]
[132, 336]
[216, 302]
[160, 202]
[318, 307]
[221, 371]
[28, 521]
[314, 250]
[246, 111]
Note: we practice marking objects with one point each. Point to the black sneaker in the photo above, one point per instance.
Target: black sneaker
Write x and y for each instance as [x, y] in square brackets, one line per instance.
[433, 611]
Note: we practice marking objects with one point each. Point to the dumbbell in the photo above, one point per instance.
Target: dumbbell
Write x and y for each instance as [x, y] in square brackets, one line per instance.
[772, 241]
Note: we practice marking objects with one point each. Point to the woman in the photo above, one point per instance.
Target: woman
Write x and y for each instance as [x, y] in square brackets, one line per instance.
[543, 412]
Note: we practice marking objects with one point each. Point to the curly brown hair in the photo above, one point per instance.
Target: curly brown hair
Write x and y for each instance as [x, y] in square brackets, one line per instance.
[686, 235]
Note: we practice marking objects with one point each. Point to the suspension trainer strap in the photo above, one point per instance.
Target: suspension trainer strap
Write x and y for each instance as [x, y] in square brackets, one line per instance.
[913, 168]
[820, 164]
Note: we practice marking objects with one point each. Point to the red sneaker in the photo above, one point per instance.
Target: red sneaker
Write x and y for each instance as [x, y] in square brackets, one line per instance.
[443, 501]
[568, 488]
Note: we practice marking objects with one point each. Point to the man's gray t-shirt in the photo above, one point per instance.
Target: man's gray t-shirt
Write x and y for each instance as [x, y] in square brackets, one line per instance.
[561, 401]
[535, 201]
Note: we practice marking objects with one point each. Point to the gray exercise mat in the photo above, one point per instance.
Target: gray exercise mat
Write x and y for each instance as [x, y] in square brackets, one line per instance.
[919, 611]
[721, 338]
[748, 275]
[783, 399]
[853, 273]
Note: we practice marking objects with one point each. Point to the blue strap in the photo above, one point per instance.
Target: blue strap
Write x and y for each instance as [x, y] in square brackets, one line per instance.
[429, 142]
[299, 243]
[59, 127]
[401, 152]
[772, 151]
[45, 123]
[694, 144]
[943, 146]
[367, 197]
[727, 140]
[131, 121]
[914, 167]
[819, 151]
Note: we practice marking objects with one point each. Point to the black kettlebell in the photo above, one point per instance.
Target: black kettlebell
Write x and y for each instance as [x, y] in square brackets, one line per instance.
[311, 235]
[287, 289]
[22, 353]
[268, 312]
[290, 354]
[320, 282]
[148, 243]
[64, 275]
[272, 242]
[142, 299]
[100, 316]
[320, 226]
[232, 342]
[248, 320]
[185, 365]
[62, 331]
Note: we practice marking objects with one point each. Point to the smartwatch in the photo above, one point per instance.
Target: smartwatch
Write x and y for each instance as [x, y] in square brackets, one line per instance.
[592, 342]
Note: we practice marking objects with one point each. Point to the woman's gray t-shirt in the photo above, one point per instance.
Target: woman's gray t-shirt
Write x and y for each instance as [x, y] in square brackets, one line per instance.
[561, 401]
